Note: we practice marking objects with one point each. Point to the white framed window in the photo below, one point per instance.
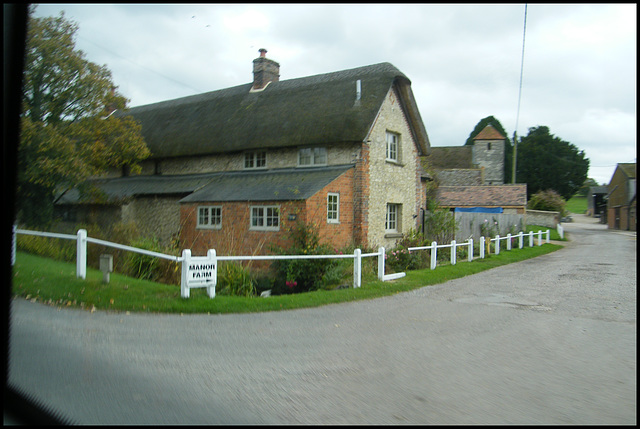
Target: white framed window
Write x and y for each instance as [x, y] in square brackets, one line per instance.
[255, 160]
[392, 221]
[333, 207]
[209, 217]
[311, 156]
[393, 147]
[265, 218]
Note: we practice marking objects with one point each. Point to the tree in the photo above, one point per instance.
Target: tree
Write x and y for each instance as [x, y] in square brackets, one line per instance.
[547, 162]
[508, 146]
[585, 188]
[67, 134]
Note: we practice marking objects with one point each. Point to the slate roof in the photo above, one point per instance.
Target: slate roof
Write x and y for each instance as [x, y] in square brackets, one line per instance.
[285, 184]
[319, 109]
[449, 157]
[483, 196]
[124, 187]
[260, 185]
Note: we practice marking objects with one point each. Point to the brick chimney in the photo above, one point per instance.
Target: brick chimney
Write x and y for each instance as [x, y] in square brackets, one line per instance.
[264, 71]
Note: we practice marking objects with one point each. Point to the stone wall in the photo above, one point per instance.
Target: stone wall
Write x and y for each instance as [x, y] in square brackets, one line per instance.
[542, 218]
[490, 155]
[391, 182]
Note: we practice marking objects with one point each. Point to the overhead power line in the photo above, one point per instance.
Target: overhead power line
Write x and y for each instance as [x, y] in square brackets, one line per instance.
[515, 130]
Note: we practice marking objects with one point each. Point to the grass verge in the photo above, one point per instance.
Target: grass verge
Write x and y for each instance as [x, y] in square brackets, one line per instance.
[52, 282]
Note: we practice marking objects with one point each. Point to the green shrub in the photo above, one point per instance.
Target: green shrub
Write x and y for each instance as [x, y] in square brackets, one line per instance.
[301, 275]
[235, 280]
[548, 200]
[143, 266]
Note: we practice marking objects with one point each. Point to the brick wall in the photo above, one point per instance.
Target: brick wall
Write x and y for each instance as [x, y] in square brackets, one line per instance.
[236, 238]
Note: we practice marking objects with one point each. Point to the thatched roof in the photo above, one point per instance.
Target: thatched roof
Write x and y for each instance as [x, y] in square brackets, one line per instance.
[319, 109]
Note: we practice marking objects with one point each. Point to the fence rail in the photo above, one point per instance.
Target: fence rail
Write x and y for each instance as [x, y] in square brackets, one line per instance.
[203, 269]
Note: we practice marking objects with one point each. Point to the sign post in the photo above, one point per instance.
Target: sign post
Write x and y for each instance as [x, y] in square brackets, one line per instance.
[199, 271]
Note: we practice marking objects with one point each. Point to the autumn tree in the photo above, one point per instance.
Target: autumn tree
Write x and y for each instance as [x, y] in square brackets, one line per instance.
[508, 146]
[67, 132]
[547, 162]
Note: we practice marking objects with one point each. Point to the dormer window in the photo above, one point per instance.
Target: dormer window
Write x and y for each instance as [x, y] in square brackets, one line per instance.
[308, 157]
[255, 160]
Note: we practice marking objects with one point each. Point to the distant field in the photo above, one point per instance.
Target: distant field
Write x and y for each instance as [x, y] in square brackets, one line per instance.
[577, 205]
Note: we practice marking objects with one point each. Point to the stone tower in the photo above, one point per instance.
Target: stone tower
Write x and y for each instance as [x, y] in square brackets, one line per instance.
[488, 154]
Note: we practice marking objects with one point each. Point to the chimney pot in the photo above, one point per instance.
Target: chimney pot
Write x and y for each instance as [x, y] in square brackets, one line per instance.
[264, 71]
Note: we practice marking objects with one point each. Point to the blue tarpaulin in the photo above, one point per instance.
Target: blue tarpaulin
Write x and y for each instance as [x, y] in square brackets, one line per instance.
[478, 210]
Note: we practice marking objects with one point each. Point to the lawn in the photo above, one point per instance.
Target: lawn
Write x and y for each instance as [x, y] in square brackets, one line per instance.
[52, 282]
[577, 205]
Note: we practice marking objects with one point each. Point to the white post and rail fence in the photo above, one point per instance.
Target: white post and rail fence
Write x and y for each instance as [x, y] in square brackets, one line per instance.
[201, 271]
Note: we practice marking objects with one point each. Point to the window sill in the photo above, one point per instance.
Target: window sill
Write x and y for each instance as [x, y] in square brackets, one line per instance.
[210, 228]
[396, 163]
[393, 235]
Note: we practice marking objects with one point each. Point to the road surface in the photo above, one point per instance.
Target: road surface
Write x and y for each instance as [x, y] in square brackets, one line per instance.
[545, 341]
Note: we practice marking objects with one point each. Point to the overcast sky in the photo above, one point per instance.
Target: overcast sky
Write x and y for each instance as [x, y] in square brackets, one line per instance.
[463, 61]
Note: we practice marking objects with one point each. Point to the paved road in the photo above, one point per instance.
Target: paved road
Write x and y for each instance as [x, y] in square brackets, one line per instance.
[545, 341]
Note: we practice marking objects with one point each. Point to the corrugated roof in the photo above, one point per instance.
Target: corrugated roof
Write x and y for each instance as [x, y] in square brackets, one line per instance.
[271, 185]
[312, 110]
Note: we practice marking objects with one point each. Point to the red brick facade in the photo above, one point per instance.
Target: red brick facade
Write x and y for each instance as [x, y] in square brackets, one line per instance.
[236, 238]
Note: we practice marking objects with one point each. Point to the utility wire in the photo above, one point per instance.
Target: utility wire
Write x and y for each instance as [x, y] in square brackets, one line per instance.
[515, 130]
[197, 91]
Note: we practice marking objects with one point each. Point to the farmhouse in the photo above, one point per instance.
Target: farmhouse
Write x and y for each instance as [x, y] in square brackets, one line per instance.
[235, 169]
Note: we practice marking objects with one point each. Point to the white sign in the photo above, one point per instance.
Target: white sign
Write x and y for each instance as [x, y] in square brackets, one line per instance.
[199, 271]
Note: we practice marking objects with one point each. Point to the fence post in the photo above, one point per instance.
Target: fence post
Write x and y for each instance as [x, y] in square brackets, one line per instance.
[520, 240]
[357, 268]
[548, 235]
[81, 254]
[381, 256]
[470, 249]
[530, 238]
[509, 241]
[13, 245]
[540, 238]
[184, 289]
[434, 254]
[498, 244]
[482, 247]
[453, 252]
[211, 290]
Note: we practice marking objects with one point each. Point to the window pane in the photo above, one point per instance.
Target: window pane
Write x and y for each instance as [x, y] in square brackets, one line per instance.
[319, 155]
[203, 216]
[392, 146]
[216, 216]
[332, 207]
[392, 217]
[261, 159]
[256, 217]
[248, 160]
[305, 156]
